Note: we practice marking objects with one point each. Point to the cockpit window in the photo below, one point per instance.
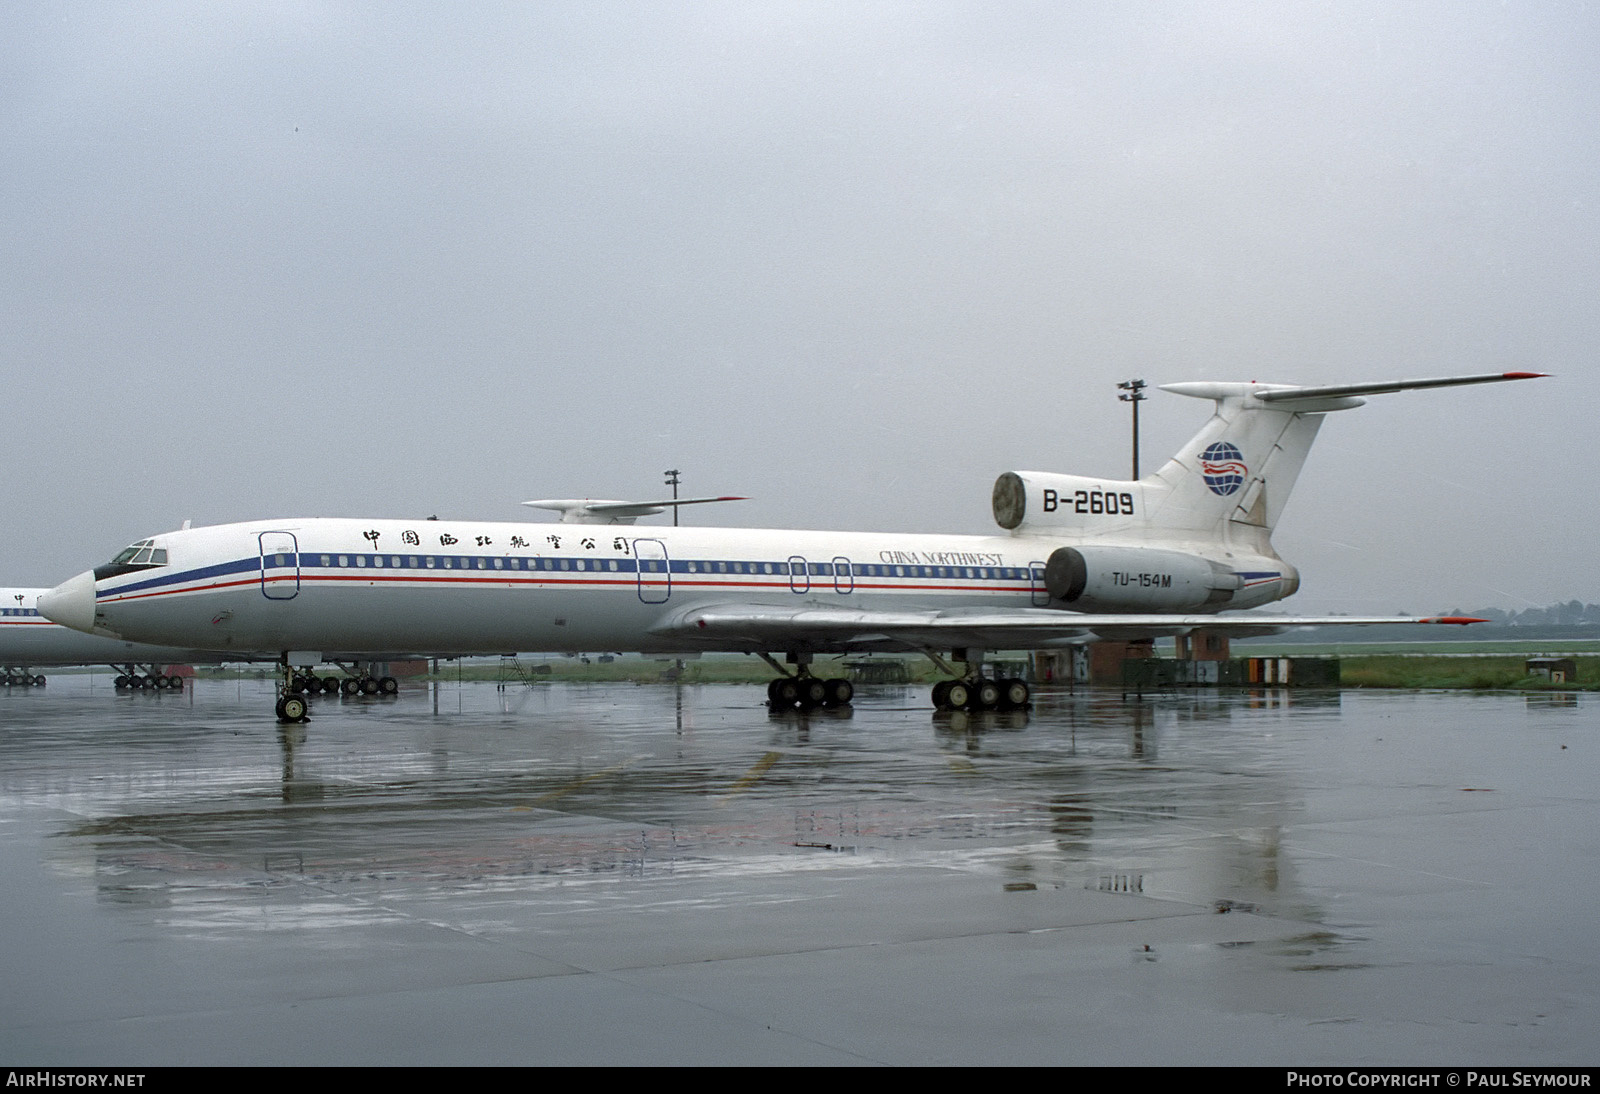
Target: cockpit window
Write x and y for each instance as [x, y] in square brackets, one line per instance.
[131, 554]
[143, 555]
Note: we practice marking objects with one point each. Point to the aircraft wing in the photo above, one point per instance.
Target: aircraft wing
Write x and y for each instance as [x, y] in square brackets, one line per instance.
[766, 627]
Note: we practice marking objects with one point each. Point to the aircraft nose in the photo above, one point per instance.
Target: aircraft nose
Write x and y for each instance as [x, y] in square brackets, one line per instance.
[71, 603]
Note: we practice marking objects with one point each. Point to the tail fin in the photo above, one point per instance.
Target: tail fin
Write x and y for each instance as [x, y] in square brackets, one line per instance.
[1227, 485]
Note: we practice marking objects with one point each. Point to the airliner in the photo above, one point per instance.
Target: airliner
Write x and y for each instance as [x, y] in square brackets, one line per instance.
[28, 640]
[1078, 559]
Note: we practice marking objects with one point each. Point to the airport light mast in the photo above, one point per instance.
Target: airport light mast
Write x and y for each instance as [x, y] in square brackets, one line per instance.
[1135, 395]
[672, 481]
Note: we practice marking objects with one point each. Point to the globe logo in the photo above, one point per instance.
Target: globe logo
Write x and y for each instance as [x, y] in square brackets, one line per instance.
[1223, 468]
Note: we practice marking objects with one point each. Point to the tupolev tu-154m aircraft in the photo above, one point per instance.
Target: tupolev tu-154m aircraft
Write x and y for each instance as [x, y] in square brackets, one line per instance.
[1079, 559]
[28, 640]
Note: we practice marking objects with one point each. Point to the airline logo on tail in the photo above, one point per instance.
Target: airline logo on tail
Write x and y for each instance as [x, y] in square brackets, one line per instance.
[1222, 466]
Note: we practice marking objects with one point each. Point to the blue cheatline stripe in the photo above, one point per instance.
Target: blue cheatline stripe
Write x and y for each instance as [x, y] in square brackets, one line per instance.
[221, 569]
[567, 567]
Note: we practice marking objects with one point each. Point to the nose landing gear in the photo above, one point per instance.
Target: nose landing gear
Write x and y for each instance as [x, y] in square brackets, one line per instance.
[291, 705]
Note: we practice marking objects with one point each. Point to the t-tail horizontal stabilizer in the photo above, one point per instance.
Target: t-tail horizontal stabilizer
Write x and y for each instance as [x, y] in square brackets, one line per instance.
[1345, 390]
[607, 511]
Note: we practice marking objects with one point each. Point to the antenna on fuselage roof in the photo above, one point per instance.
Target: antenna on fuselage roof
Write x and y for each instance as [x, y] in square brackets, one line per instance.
[609, 511]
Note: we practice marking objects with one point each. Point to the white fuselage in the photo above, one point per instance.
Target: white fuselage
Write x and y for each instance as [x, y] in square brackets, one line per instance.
[367, 588]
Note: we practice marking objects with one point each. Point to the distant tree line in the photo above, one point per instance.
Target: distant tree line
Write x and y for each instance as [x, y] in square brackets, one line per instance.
[1574, 613]
[1573, 619]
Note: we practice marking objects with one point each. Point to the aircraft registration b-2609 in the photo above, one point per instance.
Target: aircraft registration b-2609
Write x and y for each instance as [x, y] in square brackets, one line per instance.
[1080, 559]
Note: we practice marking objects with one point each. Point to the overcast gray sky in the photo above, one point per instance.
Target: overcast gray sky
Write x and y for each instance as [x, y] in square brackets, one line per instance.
[851, 259]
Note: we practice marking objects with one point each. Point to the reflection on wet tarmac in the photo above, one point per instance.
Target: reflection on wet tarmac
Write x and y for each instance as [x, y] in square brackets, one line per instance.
[612, 851]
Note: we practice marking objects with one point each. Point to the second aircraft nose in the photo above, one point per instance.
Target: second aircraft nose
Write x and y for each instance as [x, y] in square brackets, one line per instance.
[71, 603]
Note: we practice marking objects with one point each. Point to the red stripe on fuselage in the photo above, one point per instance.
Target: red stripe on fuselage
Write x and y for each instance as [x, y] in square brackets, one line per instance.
[372, 579]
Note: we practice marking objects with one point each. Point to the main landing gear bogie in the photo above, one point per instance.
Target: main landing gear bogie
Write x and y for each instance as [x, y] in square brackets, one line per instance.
[808, 693]
[799, 690]
[129, 679]
[311, 684]
[982, 694]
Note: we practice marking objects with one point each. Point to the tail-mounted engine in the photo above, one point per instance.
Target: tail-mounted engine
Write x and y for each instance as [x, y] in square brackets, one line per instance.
[1137, 579]
[1039, 499]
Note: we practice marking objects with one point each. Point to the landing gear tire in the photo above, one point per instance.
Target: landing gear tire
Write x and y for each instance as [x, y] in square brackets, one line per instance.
[840, 692]
[369, 686]
[783, 693]
[957, 695]
[813, 692]
[291, 708]
[330, 685]
[985, 695]
[1014, 694]
[388, 685]
[350, 686]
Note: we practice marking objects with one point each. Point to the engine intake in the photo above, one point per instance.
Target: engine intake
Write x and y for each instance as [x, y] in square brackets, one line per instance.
[1037, 499]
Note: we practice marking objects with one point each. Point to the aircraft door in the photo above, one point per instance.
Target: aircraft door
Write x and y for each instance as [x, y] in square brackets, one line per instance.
[799, 575]
[280, 566]
[1041, 595]
[844, 578]
[655, 570]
